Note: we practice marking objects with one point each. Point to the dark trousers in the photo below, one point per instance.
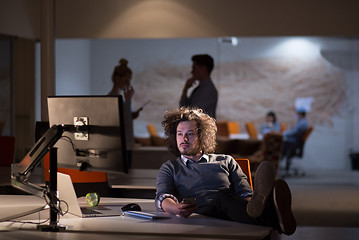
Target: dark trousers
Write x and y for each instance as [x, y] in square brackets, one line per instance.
[229, 206]
[288, 150]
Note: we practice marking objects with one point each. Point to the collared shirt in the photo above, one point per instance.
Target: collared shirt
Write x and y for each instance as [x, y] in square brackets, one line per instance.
[205, 96]
[186, 161]
[183, 178]
[294, 134]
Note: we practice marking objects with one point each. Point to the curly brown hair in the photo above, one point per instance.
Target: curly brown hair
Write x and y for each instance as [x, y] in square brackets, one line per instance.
[206, 128]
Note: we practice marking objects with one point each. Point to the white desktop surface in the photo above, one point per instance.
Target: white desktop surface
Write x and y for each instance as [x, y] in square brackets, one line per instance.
[124, 227]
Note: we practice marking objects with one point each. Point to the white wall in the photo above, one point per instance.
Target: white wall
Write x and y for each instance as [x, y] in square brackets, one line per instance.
[85, 67]
[142, 55]
[73, 70]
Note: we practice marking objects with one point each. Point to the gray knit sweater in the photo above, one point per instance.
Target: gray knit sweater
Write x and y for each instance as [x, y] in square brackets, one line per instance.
[200, 180]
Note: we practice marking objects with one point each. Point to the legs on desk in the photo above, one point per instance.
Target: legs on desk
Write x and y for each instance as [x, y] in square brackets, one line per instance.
[274, 204]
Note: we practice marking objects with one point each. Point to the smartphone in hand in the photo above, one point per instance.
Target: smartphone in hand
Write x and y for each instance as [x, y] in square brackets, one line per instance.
[191, 201]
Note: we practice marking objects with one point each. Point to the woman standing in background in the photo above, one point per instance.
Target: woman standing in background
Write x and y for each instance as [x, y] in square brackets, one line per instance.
[121, 78]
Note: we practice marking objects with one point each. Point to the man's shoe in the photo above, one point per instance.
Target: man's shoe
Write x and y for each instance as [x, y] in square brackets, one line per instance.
[263, 186]
[283, 201]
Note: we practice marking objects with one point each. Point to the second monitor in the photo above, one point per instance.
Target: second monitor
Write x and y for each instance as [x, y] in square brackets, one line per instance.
[94, 138]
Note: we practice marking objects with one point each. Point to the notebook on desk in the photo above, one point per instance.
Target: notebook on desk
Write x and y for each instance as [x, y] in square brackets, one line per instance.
[67, 195]
[147, 215]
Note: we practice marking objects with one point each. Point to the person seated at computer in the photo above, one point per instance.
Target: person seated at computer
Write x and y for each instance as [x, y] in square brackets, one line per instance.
[214, 184]
[271, 124]
[292, 137]
[121, 78]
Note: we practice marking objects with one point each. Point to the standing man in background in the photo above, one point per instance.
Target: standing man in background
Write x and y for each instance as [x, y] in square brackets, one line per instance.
[205, 95]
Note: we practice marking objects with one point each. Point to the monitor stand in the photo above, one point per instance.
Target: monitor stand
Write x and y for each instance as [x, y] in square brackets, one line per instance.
[51, 197]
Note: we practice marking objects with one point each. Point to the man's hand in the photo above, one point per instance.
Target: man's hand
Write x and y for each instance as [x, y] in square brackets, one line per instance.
[189, 83]
[180, 209]
[128, 92]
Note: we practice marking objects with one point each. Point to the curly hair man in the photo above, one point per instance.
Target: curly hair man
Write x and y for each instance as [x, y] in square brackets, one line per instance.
[199, 181]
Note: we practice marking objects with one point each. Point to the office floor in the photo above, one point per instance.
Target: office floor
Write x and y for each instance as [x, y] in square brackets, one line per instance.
[322, 233]
[326, 205]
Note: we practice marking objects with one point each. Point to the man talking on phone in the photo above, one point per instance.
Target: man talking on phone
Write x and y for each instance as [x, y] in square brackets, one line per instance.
[205, 95]
[199, 181]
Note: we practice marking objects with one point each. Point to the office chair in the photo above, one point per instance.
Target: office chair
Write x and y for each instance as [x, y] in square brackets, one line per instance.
[152, 130]
[296, 151]
[283, 127]
[251, 130]
[155, 139]
[233, 127]
[244, 164]
[225, 129]
[222, 129]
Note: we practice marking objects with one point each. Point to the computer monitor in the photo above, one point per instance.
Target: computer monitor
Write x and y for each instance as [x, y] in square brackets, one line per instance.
[98, 139]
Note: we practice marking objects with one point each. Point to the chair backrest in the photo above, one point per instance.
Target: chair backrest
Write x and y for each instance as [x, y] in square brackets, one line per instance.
[298, 149]
[222, 129]
[233, 127]
[152, 130]
[307, 133]
[244, 164]
[283, 127]
[225, 128]
[251, 129]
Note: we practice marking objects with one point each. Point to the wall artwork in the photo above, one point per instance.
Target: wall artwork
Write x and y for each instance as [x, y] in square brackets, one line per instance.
[249, 89]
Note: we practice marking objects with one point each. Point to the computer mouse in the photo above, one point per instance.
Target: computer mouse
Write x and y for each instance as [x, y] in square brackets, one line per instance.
[131, 207]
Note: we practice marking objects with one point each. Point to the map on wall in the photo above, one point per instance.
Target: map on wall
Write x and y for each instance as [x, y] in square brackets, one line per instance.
[249, 89]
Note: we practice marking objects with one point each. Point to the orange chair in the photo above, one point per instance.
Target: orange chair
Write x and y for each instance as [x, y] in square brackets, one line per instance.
[283, 127]
[233, 127]
[244, 164]
[152, 130]
[251, 130]
[307, 133]
[224, 128]
[155, 139]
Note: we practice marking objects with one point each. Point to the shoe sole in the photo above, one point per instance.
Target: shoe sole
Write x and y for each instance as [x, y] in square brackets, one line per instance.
[263, 185]
[283, 205]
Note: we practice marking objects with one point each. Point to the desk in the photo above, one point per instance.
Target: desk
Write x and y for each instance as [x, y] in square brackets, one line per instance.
[123, 227]
[244, 147]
